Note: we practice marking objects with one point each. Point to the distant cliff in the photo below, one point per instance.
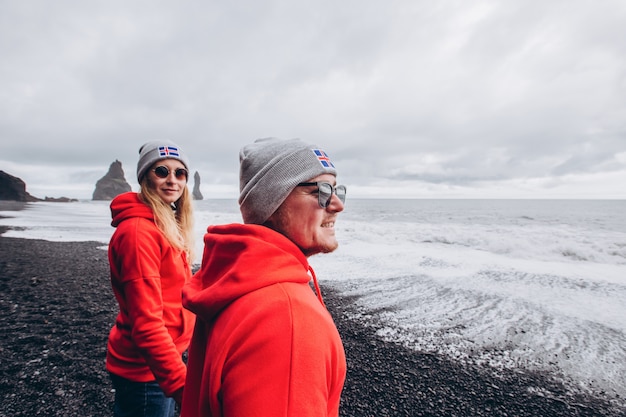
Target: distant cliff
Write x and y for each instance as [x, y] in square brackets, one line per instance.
[14, 189]
[197, 195]
[112, 184]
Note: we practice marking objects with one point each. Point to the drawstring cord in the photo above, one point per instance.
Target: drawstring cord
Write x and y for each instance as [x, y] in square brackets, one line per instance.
[317, 287]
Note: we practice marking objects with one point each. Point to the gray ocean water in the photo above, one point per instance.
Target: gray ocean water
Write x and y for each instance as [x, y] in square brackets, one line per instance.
[538, 284]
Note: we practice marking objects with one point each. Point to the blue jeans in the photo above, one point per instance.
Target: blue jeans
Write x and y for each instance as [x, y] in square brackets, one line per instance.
[140, 399]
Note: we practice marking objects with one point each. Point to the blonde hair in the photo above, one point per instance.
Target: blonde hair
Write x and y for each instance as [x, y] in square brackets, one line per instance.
[176, 225]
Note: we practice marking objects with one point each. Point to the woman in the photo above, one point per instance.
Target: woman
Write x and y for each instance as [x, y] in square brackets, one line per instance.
[150, 255]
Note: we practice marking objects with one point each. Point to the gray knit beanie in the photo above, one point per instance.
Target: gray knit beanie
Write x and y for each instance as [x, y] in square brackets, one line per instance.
[270, 169]
[151, 152]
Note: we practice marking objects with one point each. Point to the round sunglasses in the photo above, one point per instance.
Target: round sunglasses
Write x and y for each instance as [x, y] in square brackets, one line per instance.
[325, 192]
[163, 172]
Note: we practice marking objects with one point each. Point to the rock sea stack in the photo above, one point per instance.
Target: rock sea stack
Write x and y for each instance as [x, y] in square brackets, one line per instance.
[112, 184]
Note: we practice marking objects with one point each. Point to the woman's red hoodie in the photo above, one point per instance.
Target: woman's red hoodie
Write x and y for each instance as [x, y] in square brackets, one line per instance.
[264, 344]
[152, 329]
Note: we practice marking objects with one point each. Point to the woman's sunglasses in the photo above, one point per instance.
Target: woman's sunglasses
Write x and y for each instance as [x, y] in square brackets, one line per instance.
[163, 172]
[325, 192]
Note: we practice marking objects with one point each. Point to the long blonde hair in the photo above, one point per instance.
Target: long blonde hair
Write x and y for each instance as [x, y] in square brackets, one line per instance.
[176, 225]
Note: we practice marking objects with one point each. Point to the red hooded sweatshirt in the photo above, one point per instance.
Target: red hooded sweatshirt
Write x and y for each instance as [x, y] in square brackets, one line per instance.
[152, 329]
[264, 344]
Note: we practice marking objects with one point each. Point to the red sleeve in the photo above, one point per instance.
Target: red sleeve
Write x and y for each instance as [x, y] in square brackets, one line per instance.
[141, 280]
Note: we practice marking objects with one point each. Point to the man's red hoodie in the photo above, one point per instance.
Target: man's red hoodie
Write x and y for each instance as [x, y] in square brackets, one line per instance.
[264, 344]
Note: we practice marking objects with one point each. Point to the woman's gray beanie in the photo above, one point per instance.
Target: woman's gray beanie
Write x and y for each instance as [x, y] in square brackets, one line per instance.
[270, 169]
[152, 152]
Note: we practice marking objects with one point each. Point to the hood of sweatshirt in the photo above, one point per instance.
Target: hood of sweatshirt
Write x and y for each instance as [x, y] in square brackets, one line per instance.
[239, 259]
[128, 205]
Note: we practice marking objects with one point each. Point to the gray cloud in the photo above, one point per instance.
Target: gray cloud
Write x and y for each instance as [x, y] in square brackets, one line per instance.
[415, 95]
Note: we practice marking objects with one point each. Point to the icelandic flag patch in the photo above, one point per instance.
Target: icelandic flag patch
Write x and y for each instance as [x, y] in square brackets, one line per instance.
[168, 151]
[323, 158]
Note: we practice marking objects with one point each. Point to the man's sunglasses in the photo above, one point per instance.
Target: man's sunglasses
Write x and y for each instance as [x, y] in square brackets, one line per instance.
[325, 192]
[163, 172]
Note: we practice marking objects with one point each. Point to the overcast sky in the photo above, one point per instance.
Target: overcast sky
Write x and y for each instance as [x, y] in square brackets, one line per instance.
[410, 98]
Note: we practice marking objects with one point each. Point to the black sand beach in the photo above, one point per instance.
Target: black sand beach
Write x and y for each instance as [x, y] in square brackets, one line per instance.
[56, 308]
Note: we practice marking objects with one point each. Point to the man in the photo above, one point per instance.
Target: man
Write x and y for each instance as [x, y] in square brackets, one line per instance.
[264, 343]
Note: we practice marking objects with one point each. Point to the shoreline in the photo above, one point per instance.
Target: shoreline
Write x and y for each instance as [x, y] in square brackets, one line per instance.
[57, 307]
[411, 383]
